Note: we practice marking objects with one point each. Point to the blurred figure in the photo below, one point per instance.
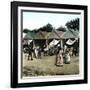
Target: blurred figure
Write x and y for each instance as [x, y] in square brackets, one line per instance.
[30, 52]
[65, 48]
[71, 51]
[39, 53]
[36, 52]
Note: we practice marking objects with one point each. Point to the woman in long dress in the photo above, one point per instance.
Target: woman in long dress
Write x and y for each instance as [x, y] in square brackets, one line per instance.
[59, 58]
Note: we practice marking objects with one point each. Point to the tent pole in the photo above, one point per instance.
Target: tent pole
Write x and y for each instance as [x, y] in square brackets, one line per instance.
[61, 43]
[46, 43]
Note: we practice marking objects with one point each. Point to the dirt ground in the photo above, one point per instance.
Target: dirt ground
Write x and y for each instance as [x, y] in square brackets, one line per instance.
[46, 66]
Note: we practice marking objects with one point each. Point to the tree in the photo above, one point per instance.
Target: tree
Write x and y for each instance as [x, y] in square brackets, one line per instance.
[26, 30]
[73, 24]
[47, 28]
[61, 28]
[35, 30]
[31, 31]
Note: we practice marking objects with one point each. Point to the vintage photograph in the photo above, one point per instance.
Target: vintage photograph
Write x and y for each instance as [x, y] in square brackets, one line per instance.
[50, 43]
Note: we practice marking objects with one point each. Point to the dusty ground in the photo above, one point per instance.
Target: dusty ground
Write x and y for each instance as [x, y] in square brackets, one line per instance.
[46, 66]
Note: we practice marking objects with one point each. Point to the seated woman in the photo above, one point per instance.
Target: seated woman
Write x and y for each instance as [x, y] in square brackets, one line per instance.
[67, 58]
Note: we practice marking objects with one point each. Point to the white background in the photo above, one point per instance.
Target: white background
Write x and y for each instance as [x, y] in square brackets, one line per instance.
[5, 45]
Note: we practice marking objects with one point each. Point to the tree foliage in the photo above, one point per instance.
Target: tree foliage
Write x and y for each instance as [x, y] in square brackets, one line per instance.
[61, 28]
[26, 30]
[47, 28]
[73, 24]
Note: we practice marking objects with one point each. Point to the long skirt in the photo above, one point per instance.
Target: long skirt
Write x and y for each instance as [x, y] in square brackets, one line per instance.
[59, 60]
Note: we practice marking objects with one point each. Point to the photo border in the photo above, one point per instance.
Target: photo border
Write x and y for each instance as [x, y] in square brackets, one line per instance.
[14, 43]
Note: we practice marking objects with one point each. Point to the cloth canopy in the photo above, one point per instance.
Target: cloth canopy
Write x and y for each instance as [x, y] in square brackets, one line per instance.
[70, 42]
[53, 43]
[29, 35]
[70, 34]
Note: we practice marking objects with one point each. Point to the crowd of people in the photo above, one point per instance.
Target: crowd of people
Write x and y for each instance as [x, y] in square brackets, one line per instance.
[63, 55]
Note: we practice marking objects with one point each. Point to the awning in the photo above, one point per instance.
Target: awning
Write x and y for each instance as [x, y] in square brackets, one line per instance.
[70, 42]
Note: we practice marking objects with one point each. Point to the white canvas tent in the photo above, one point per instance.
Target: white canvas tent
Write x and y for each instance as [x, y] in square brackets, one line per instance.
[70, 34]
[70, 42]
[53, 43]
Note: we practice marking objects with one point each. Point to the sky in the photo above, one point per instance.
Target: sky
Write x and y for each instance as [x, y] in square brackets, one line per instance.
[35, 20]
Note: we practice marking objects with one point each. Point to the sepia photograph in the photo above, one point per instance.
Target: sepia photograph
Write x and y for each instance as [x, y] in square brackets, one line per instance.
[50, 43]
